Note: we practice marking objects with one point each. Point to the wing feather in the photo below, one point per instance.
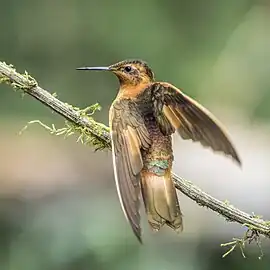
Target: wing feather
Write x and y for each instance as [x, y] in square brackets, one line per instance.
[190, 119]
[129, 135]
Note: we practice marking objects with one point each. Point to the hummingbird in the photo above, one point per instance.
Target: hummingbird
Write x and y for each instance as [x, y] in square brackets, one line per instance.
[142, 119]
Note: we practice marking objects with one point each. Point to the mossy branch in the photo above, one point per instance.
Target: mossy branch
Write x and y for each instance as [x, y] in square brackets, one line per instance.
[98, 135]
[98, 132]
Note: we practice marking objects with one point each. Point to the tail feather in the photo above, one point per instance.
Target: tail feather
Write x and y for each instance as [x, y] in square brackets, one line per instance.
[160, 199]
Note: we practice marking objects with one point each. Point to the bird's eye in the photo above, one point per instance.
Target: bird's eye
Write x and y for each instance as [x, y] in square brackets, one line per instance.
[128, 68]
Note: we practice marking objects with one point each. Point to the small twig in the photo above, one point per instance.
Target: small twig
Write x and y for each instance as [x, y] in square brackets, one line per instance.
[250, 236]
[99, 136]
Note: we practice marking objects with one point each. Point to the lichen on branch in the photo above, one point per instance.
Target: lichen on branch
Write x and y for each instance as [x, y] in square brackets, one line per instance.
[69, 129]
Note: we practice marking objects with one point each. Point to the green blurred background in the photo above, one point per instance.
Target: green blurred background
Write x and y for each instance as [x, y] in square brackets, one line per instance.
[59, 208]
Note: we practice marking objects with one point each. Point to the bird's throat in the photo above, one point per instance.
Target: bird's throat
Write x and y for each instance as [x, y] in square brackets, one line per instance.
[132, 91]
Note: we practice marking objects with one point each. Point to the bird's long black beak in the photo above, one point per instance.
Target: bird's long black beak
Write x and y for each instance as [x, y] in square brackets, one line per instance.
[94, 68]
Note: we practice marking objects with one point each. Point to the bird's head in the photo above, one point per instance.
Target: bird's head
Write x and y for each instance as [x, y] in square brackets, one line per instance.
[129, 72]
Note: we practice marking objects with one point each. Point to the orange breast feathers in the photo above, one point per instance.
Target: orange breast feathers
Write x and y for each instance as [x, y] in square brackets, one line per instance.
[132, 91]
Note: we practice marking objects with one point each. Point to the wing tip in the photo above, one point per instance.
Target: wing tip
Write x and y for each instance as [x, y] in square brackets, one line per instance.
[237, 160]
[137, 233]
[234, 155]
[139, 239]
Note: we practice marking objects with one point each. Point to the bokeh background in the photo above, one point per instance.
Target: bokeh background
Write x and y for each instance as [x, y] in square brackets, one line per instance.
[59, 208]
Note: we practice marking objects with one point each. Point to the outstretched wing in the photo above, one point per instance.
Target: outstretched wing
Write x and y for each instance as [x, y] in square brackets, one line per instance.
[129, 135]
[176, 111]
